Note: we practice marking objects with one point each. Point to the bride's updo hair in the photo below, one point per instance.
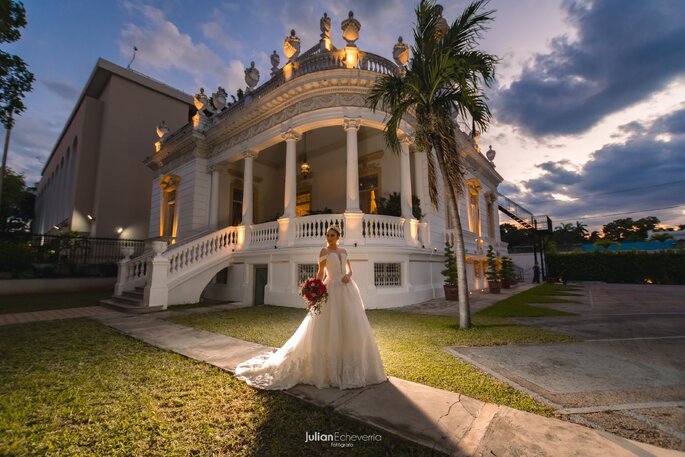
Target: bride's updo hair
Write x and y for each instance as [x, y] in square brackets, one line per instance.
[335, 228]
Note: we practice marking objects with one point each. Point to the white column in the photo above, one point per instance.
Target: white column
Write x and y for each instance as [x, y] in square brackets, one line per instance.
[248, 201]
[420, 181]
[351, 126]
[214, 200]
[405, 176]
[291, 138]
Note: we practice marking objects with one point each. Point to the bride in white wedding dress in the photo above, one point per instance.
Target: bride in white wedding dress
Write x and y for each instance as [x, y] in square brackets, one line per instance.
[335, 348]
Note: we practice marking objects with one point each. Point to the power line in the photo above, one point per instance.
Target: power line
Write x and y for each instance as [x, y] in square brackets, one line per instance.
[597, 216]
[609, 192]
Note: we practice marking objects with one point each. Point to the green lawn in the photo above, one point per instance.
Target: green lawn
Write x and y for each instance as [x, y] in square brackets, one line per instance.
[412, 345]
[41, 302]
[521, 304]
[76, 387]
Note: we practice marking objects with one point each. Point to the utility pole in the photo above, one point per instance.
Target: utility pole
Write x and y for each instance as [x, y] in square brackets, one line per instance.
[4, 156]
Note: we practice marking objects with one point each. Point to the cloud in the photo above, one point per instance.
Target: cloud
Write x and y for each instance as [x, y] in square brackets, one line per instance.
[625, 51]
[162, 46]
[216, 32]
[63, 89]
[641, 173]
[31, 142]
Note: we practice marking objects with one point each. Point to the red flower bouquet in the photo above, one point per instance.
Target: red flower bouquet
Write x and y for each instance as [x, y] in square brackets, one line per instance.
[314, 293]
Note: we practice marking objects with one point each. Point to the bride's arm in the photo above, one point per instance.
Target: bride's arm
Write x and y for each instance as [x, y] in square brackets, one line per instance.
[322, 265]
[349, 270]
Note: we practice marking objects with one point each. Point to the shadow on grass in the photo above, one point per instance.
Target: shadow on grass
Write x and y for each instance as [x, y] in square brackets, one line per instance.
[41, 302]
[77, 387]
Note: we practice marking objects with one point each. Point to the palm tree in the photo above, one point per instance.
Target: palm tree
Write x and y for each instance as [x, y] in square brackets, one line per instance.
[443, 81]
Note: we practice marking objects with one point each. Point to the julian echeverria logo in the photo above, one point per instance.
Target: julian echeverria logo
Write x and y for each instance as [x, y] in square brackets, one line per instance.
[338, 437]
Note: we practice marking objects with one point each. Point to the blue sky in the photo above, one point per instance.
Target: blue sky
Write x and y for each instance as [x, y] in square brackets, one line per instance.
[589, 101]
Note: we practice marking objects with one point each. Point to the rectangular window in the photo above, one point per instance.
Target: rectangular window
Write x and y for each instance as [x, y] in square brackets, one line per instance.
[306, 271]
[387, 274]
[304, 203]
[369, 193]
[237, 207]
[169, 213]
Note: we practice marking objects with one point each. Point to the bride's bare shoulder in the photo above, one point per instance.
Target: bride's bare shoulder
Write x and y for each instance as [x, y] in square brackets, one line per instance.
[342, 251]
[323, 252]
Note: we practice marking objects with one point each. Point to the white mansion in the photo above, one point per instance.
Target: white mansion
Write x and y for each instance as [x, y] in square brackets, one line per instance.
[244, 193]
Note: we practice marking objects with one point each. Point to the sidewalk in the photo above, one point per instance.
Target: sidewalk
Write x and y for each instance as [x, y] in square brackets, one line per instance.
[54, 314]
[446, 421]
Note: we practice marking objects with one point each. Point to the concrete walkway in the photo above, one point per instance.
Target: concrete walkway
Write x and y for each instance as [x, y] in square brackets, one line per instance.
[446, 421]
[54, 314]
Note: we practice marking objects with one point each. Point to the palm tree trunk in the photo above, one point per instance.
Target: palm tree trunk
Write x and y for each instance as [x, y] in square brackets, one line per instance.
[459, 250]
[460, 254]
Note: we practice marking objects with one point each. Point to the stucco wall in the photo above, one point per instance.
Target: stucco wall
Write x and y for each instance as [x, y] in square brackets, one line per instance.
[130, 115]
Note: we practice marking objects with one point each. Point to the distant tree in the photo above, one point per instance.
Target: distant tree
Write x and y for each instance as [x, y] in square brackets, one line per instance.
[629, 230]
[515, 235]
[660, 237]
[16, 210]
[594, 236]
[392, 205]
[15, 78]
[581, 231]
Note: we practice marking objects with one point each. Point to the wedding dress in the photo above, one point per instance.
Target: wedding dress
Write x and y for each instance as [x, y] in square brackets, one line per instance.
[335, 348]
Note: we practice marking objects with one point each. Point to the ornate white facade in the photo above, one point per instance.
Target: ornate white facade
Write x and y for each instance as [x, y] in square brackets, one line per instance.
[229, 194]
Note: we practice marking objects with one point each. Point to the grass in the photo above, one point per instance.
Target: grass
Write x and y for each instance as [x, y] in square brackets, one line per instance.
[42, 302]
[412, 345]
[75, 387]
[519, 305]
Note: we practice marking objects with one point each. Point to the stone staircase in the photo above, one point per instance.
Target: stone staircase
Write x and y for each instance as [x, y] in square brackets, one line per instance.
[130, 301]
[171, 275]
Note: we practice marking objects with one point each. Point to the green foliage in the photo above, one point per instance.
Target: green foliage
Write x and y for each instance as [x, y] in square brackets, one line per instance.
[664, 267]
[508, 271]
[660, 237]
[17, 208]
[515, 235]
[604, 245]
[325, 210]
[494, 272]
[450, 271]
[15, 78]
[629, 230]
[392, 206]
[15, 256]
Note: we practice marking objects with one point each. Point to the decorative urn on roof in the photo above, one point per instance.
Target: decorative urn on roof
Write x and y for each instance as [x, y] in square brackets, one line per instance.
[275, 61]
[400, 53]
[251, 77]
[350, 28]
[291, 46]
[490, 154]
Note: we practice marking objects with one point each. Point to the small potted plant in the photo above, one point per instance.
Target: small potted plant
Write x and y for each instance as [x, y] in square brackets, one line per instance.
[450, 274]
[508, 273]
[494, 273]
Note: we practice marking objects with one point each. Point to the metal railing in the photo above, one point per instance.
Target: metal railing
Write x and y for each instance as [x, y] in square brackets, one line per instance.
[79, 250]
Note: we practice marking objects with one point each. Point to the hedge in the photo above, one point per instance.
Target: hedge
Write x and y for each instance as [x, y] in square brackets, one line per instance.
[665, 267]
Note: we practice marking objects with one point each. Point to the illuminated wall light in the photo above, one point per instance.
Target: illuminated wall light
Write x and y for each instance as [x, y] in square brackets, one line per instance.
[120, 230]
[90, 217]
[56, 227]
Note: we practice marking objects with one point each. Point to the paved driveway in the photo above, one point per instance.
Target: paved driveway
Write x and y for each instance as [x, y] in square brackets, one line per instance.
[627, 373]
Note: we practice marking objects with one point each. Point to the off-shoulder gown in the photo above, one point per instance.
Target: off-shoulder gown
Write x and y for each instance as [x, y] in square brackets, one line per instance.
[335, 348]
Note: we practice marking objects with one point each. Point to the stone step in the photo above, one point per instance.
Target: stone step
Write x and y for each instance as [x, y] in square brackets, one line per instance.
[134, 295]
[118, 304]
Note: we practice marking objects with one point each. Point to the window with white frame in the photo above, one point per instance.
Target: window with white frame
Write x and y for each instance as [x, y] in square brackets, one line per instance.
[387, 274]
[306, 271]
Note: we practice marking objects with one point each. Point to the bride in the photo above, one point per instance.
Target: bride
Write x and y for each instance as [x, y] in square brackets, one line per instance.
[335, 348]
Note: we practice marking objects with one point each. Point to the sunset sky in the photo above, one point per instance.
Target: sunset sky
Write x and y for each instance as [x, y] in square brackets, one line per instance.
[588, 107]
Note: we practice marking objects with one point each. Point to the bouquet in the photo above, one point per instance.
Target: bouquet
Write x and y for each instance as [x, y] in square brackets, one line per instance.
[314, 293]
